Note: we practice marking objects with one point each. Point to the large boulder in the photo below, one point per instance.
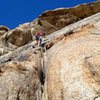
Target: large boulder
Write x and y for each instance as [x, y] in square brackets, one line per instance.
[73, 67]
[13, 39]
[19, 37]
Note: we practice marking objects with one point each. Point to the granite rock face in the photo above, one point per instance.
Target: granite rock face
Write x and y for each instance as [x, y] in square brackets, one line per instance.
[54, 20]
[70, 67]
[73, 66]
[20, 75]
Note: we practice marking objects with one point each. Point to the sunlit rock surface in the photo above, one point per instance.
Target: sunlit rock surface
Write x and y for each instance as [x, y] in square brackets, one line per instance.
[73, 66]
[70, 67]
[56, 19]
[20, 75]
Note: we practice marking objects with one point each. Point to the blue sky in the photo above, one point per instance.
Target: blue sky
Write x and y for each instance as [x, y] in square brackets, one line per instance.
[15, 12]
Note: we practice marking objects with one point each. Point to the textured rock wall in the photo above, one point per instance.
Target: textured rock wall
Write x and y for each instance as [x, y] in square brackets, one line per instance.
[20, 75]
[73, 71]
[68, 70]
[56, 19]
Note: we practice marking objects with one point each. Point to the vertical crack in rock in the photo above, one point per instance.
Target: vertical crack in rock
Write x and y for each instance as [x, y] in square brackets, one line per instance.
[18, 95]
[95, 98]
[42, 72]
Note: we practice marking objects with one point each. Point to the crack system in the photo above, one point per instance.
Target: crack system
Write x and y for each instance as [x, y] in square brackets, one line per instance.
[42, 72]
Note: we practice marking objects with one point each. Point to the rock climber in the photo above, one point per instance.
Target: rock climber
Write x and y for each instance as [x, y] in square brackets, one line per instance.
[39, 38]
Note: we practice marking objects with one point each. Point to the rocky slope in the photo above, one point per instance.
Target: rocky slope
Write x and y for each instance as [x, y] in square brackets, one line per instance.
[70, 67]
